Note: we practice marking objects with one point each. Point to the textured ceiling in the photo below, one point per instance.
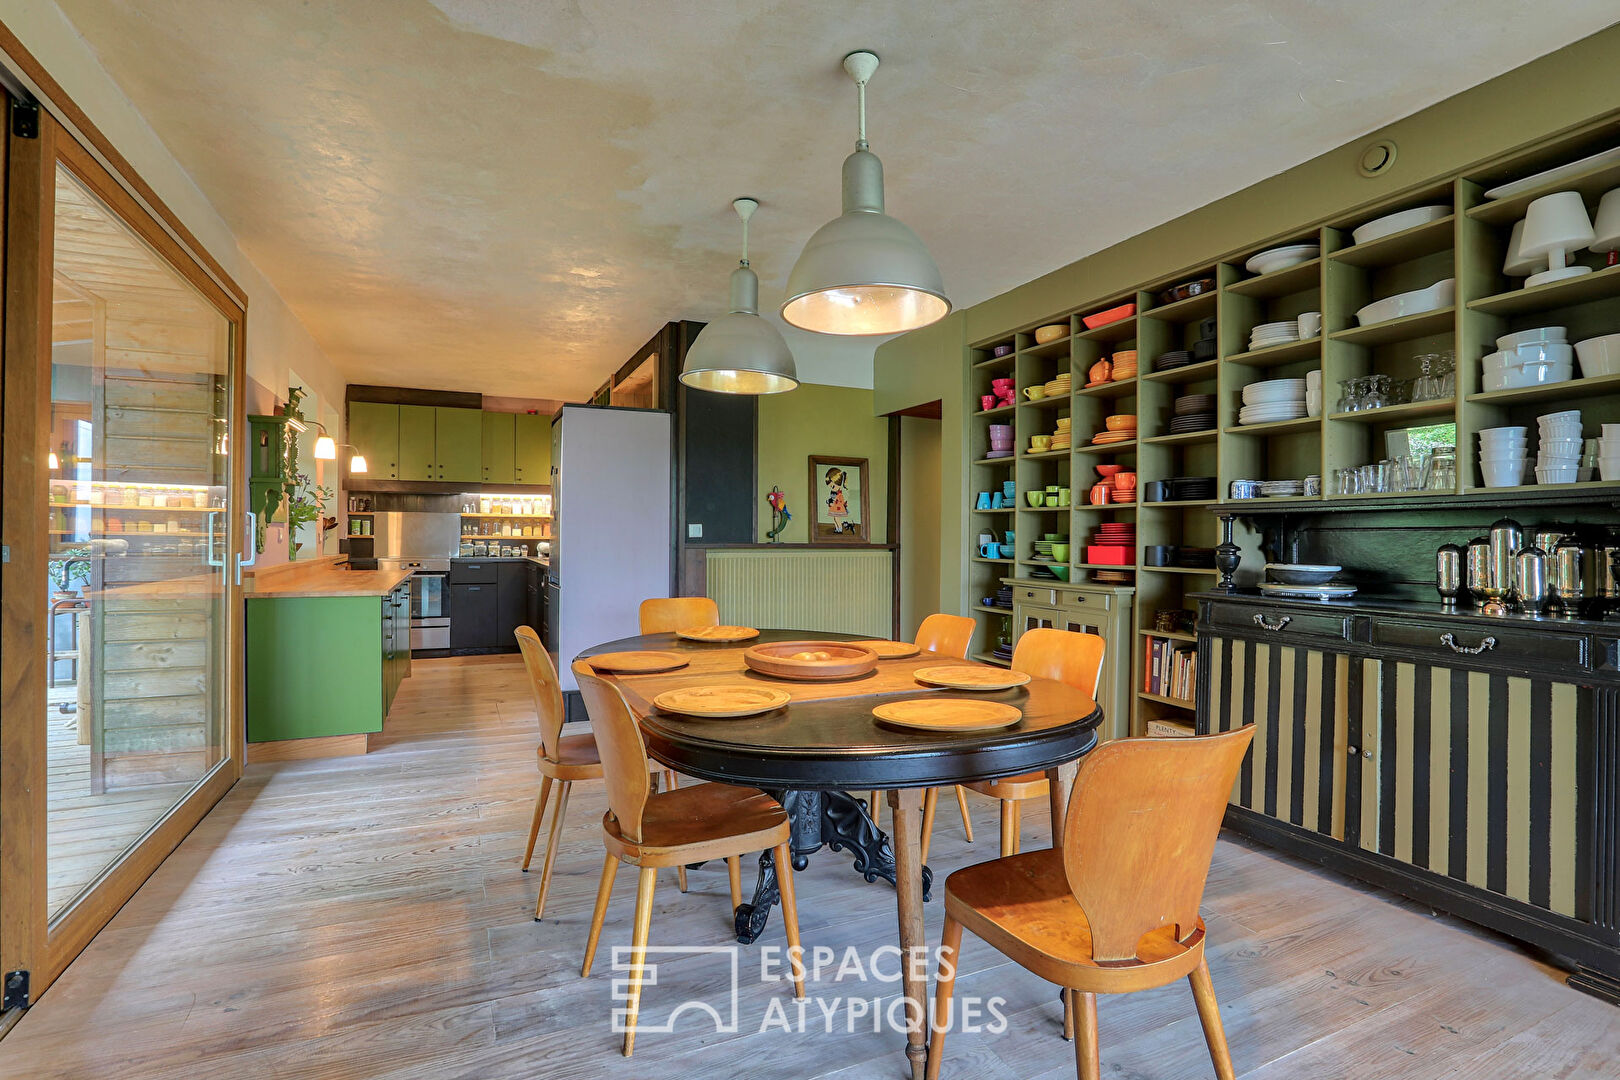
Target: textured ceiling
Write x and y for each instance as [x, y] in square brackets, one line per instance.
[510, 197]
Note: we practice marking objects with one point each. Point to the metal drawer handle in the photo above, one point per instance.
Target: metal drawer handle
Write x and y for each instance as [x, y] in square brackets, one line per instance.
[1450, 642]
[1266, 624]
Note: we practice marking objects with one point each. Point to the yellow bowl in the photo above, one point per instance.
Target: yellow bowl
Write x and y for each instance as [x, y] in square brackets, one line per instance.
[1039, 444]
[1051, 332]
[1063, 423]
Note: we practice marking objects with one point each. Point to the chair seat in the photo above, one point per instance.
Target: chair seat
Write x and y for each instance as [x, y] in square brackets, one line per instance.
[1021, 904]
[697, 822]
[577, 759]
[1032, 785]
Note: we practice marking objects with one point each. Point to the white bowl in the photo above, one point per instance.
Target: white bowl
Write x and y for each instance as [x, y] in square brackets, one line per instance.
[1436, 296]
[1281, 258]
[1547, 426]
[1501, 432]
[1599, 355]
[1499, 474]
[1560, 447]
[1396, 222]
[1611, 431]
[1609, 470]
[1544, 333]
[1496, 359]
[1515, 376]
[1567, 414]
[1502, 459]
[1564, 474]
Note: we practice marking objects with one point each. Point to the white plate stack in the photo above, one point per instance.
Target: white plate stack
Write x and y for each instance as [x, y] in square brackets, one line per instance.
[1609, 452]
[1502, 455]
[1558, 456]
[1273, 400]
[1274, 333]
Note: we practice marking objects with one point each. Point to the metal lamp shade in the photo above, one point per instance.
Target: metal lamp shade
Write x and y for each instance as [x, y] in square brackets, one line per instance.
[740, 353]
[864, 272]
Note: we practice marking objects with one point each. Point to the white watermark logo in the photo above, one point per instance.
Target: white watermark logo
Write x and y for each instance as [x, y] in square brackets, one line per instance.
[829, 1005]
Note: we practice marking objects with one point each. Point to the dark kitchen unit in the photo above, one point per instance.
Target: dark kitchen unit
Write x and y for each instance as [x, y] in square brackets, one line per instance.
[490, 599]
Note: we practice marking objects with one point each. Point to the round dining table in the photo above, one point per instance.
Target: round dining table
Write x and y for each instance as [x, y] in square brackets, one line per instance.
[825, 742]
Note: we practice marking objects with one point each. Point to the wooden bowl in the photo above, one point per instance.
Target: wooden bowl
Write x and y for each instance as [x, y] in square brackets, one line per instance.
[811, 661]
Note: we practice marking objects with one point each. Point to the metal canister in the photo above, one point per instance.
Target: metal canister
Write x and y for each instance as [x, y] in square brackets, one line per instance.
[1608, 576]
[1448, 573]
[1506, 538]
[1530, 578]
[1478, 570]
[1569, 576]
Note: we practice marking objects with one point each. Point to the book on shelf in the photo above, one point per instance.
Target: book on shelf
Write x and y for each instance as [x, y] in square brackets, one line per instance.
[1168, 729]
[1172, 669]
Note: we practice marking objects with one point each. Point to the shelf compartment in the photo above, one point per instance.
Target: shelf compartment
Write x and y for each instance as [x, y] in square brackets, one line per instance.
[1179, 504]
[999, 410]
[1550, 489]
[995, 362]
[1004, 612]
[1549, 391]
[1122, 388]
[1162, 700]
[1180, 570]
[1045, 509]
[1403, 246]
[1590, 184]
[1227, 501]
[994, 510]
[1295, 279]
[1192, 309]
[1128, 446]
[1275, 355]
[1173, 635]
[1275, 427]
[1204, 369]
[1008, 460]
[1044, 455]
[1061, 401]
[991, 658]
[992, 562]
[1183, 438]
[1405, 328]
[1049, 350]
[1598, 285]
[1403, 411]
[1119, 330]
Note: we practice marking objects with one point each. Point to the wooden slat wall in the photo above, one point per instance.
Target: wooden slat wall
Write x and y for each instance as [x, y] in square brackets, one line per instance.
[848, 592]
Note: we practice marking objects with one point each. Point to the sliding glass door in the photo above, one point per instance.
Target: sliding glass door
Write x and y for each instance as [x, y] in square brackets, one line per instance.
[122, 525]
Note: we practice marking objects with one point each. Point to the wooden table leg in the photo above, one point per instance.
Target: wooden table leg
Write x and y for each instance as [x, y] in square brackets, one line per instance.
[1060, 782]
[905, 808]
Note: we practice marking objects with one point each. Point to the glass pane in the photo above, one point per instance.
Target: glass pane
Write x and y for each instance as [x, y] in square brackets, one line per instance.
[135, 615]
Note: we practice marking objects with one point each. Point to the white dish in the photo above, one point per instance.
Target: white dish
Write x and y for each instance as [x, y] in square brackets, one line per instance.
[1441, 294]
[1273, 327]
[1502, 474]
[1599, 355]
[1281, 258]
[1398, 222]
[1554, 175]
[1501, 432]
[1509, 342]
[1567, 414]
[1308, 592]
[1564, 474]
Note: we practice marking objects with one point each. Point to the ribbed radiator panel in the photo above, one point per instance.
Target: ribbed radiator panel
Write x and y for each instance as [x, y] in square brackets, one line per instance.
[849, 592]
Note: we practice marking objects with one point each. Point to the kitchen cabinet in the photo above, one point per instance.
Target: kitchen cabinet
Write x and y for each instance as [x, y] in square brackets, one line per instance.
[417, 451]
[498, 448]
[374, 431]
[473, 608]
[511, 600]
[531, 442]
[459, 444]
[1104, 610]
[534, 582]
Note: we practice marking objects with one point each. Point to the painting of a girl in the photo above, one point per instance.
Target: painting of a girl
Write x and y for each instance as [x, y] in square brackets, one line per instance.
[840, 500]
[837, 499]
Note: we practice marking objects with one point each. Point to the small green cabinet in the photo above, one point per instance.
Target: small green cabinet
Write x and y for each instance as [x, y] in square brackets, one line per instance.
[459, 440]
[498, 448]
[417, 447]
[531, 440]
[374, 431]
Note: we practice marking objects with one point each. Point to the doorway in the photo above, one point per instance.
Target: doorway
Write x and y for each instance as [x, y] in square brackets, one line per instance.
[920, 508]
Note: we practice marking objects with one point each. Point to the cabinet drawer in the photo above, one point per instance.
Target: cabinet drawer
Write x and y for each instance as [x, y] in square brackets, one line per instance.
[1023, 594]
[1518, 646]
[1282, 622]
[1084, 601]
[474, 572]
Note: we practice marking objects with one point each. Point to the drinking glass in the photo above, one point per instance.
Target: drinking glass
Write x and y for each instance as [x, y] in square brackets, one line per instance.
[1347, 395]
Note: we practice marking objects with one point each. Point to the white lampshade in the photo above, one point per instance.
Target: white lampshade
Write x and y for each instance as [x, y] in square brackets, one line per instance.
[325, 448]
[1555, 225]
[357, 463]
[1607, 225]
[1517, 264]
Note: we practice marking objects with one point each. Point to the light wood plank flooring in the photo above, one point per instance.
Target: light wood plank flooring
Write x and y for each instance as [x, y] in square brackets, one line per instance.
[364, 917]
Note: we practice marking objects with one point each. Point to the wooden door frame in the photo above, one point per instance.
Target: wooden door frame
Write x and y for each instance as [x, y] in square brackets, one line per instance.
[29, 940]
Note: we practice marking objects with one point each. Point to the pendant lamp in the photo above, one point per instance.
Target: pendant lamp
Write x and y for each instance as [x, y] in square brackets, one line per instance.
[864, 272]
[741, 353]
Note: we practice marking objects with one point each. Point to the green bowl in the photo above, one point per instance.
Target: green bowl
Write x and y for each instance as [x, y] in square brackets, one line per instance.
[1060, 552]
[1034, 498]
[1062, 572]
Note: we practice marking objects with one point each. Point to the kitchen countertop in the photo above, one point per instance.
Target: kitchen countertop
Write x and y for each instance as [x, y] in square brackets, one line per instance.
[326, 580]
[1373, 604]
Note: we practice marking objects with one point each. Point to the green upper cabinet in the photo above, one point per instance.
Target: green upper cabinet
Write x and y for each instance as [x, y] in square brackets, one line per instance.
[374, 431]
[498, 435]
[460, 445]
[531, 449]
[417, 432]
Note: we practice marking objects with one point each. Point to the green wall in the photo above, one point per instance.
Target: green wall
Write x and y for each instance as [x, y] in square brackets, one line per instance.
[838, 421]
[1549, 96]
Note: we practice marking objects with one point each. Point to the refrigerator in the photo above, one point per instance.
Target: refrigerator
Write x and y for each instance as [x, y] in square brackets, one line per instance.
[611, 542]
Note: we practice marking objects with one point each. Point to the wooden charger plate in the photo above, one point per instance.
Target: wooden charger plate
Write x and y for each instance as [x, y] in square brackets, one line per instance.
[890, 650]
[935, 714]
[970, 677]
[636, 662]
[718, 633]
[810, 661]
[722, 701]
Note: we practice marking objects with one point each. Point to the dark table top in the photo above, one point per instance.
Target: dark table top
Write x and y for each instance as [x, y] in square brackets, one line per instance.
[827, 738]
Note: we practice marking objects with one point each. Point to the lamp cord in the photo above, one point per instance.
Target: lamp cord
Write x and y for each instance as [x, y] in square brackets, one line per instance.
[860, 97]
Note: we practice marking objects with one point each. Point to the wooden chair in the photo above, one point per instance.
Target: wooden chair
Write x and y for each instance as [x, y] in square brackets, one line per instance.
[1044, 653]
[667, 614]
[649, 830]
[562, 759]
[948, 635]
[1114, 910]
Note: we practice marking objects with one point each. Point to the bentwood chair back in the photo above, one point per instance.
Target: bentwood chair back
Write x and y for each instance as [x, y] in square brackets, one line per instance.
[667, 614]
[1043, 653]
[948, 635]
[563, 760]
[651, 830]
[1115, 910]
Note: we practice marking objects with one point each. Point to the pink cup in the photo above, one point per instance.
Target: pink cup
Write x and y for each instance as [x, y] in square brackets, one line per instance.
[1002, 384]
[987, 401]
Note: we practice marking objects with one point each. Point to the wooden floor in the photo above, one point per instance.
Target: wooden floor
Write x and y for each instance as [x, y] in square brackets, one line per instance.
[365, 917]
[86, 832]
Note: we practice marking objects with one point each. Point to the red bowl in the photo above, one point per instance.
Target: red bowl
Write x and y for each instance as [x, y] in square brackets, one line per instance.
[1113, 314]
[1108, 470]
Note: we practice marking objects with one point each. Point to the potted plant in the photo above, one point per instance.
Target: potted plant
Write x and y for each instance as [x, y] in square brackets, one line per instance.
[70, 570]
[305, 505]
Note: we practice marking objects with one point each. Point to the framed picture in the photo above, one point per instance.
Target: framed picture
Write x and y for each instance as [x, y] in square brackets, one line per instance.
[838, 497]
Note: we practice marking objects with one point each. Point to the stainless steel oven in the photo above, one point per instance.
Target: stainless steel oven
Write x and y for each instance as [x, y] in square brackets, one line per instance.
[430, 600]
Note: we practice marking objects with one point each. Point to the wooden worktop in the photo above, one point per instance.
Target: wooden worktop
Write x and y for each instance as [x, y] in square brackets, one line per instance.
[327, 576]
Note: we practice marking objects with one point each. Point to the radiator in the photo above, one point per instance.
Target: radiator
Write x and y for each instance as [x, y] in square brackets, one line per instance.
[849, 592]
